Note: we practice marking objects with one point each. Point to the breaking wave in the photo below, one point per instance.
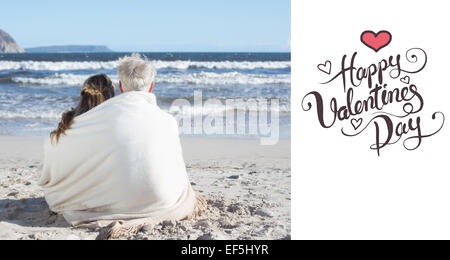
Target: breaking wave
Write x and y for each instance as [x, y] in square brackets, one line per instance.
[201, 78]
[112, 65]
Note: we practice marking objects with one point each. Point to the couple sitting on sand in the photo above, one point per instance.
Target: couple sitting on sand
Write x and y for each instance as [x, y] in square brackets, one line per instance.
[117, 161]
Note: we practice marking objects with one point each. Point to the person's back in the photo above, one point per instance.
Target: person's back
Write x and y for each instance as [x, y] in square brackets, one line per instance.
[161, 176]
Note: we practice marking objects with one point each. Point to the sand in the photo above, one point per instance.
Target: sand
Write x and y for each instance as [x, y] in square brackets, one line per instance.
[247, 187]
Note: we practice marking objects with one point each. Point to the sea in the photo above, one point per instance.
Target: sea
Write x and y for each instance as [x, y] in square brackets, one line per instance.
[35, 89]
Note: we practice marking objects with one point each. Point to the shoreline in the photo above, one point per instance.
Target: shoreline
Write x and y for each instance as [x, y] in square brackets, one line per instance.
[246, 185]
[194, 148]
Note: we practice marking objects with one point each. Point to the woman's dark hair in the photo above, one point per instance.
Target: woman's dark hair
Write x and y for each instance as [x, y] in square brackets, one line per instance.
[96, 89]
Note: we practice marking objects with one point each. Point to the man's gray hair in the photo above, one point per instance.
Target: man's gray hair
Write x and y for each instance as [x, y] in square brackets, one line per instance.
[136, 73]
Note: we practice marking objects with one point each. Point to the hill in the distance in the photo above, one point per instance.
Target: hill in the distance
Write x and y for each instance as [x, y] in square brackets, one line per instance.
[69, 49]
[8, 44]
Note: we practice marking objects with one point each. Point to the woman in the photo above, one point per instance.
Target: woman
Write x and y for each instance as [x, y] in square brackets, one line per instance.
[96, 89]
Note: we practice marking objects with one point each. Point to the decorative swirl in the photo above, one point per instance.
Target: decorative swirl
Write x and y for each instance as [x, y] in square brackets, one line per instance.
[408, 108]
[412, 56]
[303, 103]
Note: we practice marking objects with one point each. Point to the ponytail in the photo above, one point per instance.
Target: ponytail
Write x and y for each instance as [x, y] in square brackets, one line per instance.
[65, 124]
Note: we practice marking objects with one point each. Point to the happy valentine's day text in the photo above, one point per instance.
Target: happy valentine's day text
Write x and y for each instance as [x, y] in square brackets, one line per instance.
[390, 127]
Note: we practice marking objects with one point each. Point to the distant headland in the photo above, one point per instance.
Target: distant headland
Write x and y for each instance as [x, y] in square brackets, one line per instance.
[69, 49]
[8, 44]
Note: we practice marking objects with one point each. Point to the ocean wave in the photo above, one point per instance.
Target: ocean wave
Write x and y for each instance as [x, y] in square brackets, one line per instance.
[231, 78]
[37, 114]
[201, 78]
[159, 64]
[57, 79]
[243, 65]
[57, 66]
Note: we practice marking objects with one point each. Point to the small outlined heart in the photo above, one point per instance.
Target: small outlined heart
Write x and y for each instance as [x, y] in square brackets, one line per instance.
[325, 68]
[405, 79]
[376, 41]
[356, 123]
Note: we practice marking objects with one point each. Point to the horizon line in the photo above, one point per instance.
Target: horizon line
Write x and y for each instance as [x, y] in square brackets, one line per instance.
[113, 50]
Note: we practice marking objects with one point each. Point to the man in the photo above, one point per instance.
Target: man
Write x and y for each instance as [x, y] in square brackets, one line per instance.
[121, 163]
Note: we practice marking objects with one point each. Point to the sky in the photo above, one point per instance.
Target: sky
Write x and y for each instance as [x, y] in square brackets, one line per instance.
[151, 25]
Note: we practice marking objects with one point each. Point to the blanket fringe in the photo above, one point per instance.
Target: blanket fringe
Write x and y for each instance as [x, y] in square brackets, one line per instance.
[118, 229]
[200, 207]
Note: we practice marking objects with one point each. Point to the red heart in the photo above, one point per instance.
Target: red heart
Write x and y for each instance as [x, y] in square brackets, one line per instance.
[376, 41]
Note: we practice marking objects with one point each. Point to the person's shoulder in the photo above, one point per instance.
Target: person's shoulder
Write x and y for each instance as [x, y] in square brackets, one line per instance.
[136, 97]
[167, 116]
[148, 101]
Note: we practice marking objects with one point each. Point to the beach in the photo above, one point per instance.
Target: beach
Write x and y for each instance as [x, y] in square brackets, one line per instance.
[247, 187]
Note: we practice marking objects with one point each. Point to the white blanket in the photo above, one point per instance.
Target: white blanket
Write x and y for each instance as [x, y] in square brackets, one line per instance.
[120, 161]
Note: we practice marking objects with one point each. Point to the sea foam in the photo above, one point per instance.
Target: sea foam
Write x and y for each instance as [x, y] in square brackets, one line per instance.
[112, 65]
[201, 78]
